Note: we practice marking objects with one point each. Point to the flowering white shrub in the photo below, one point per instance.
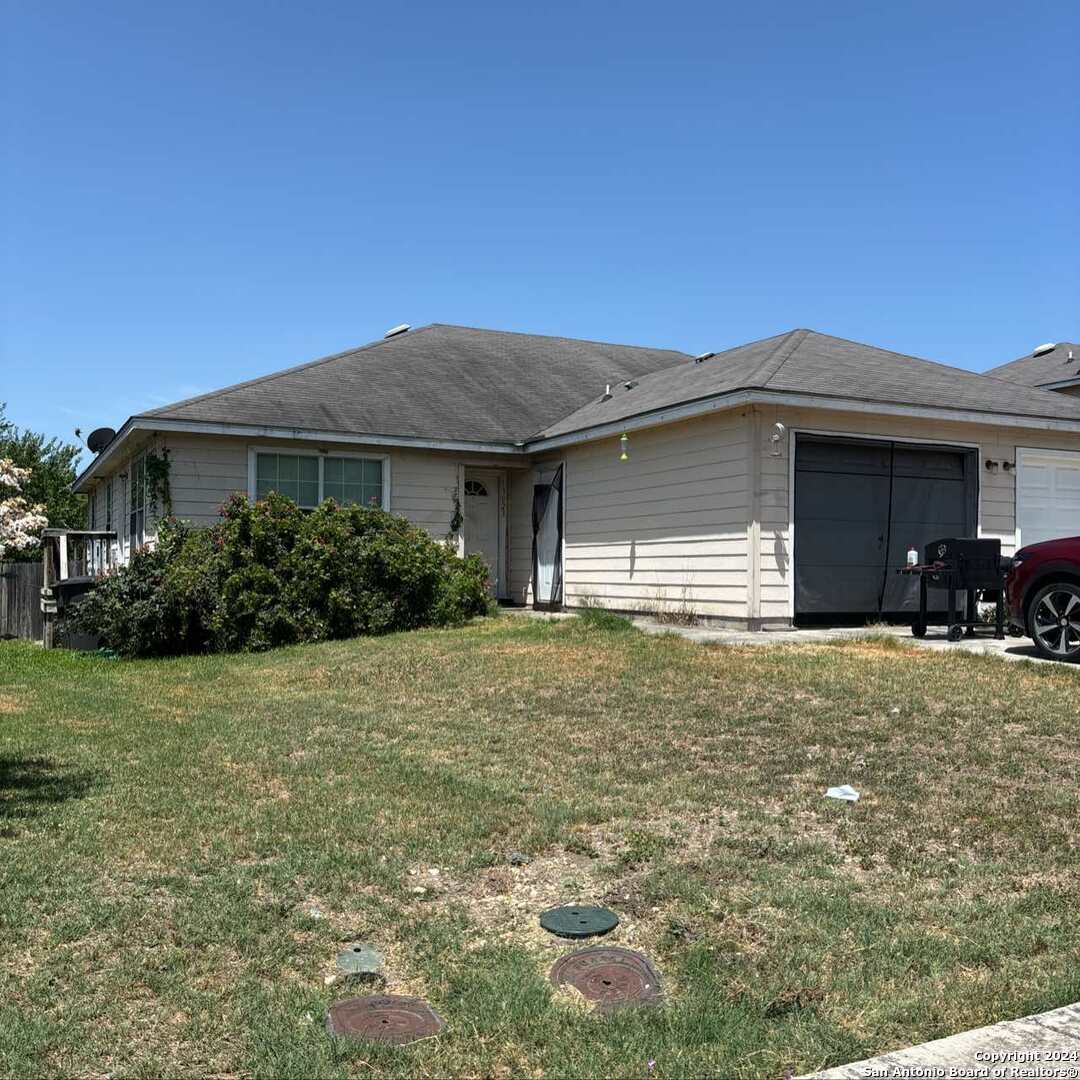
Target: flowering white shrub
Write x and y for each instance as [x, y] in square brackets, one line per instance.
[20, 523]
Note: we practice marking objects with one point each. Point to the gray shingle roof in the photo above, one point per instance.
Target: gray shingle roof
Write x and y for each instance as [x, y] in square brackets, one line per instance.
[806, 362]
[455, 383]
[1054, 366]
[436, 382]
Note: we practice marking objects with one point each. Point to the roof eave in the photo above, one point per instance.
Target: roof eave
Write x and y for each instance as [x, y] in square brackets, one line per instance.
[688, 410]
[269, 431]
[757, 396]
[1059, 384]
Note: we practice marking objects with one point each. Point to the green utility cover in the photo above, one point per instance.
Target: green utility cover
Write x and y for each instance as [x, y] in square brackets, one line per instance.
[579, 921]
[360, 959]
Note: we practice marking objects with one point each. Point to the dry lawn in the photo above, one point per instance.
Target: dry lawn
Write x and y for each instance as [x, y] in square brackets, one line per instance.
[188, 843]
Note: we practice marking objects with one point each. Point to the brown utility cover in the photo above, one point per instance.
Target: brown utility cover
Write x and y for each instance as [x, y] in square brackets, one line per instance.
[384, 1018]
[610, 977]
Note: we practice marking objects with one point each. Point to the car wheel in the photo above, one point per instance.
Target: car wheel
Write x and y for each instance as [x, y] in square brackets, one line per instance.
[1054, 621]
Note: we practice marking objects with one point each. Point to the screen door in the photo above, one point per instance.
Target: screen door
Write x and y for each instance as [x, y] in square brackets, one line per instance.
[547, 542]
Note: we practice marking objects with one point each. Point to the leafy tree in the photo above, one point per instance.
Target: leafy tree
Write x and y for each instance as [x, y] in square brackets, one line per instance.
[52, 464]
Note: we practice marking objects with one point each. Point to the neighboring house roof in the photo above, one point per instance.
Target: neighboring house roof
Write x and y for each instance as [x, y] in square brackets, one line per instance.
[1047, 369]
[436, 382]
[804, 362]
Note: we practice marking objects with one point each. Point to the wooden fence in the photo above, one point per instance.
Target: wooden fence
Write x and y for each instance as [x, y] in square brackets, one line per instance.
[20, 600]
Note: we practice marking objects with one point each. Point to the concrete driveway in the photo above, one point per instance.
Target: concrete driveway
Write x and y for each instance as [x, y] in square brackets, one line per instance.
[1009, 649]
[1012, 648]
[1046, 1045]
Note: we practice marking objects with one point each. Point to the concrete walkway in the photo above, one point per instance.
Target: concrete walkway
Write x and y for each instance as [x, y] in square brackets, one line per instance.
[1047, 1045]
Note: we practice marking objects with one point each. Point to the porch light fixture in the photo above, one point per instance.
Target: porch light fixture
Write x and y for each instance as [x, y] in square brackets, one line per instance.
[991, 466]
[624, 446]
[776, 438]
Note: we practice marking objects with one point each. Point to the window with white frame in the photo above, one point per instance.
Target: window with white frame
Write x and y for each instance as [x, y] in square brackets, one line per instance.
[308, 479]
[108, 504]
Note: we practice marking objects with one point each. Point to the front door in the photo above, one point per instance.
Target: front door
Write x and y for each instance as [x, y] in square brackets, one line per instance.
[483, 523]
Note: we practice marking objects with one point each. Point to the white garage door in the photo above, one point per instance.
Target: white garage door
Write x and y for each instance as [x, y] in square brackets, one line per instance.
[1047, 494]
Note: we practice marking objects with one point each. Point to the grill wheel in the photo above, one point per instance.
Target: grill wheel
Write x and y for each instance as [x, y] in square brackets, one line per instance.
[1054, 621]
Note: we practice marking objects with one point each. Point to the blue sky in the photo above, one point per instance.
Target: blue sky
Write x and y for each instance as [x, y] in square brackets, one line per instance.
[198, 193]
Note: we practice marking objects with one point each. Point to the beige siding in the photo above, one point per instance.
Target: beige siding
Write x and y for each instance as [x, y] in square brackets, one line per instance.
[666, 530]
[422, 489]
[997, 489]
[205, 470]
[698, 519]
[95, 508]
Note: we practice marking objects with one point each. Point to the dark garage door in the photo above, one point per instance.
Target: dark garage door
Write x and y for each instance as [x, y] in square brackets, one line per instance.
[859, 505]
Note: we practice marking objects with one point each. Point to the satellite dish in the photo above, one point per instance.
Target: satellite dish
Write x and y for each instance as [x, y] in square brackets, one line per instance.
[98, 439]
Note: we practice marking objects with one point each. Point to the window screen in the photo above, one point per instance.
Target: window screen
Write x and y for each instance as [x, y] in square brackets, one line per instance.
[308, 480]
[352, 480]
[292, 475]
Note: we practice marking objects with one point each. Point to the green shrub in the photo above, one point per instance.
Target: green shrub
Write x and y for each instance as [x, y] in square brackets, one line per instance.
[269, 574]
[597, 618]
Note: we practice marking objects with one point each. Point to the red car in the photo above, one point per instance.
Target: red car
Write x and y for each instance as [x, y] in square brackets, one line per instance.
[1042, 593]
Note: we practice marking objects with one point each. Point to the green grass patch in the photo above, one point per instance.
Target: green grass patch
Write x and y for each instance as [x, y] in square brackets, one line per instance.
[188, 843]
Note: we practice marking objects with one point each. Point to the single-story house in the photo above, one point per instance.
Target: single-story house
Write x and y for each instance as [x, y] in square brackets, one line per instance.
[777, 482]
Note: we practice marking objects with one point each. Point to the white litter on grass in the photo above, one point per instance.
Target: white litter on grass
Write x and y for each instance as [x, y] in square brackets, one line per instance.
[844, 791]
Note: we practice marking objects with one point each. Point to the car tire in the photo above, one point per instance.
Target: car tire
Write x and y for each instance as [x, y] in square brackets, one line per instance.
[1054, 621]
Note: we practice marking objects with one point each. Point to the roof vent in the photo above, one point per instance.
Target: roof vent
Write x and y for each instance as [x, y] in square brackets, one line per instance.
[1042, 350]
[395, 330]
[630, 385]
[702, 357]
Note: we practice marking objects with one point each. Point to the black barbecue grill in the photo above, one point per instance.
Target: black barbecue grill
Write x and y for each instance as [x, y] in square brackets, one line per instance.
[961, 565]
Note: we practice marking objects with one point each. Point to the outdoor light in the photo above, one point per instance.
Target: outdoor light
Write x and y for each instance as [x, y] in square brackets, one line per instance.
[624, 444]
[776, 438]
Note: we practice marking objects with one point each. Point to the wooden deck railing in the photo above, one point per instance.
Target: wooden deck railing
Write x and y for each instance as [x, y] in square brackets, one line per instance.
[76, 554]
[72, 561]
